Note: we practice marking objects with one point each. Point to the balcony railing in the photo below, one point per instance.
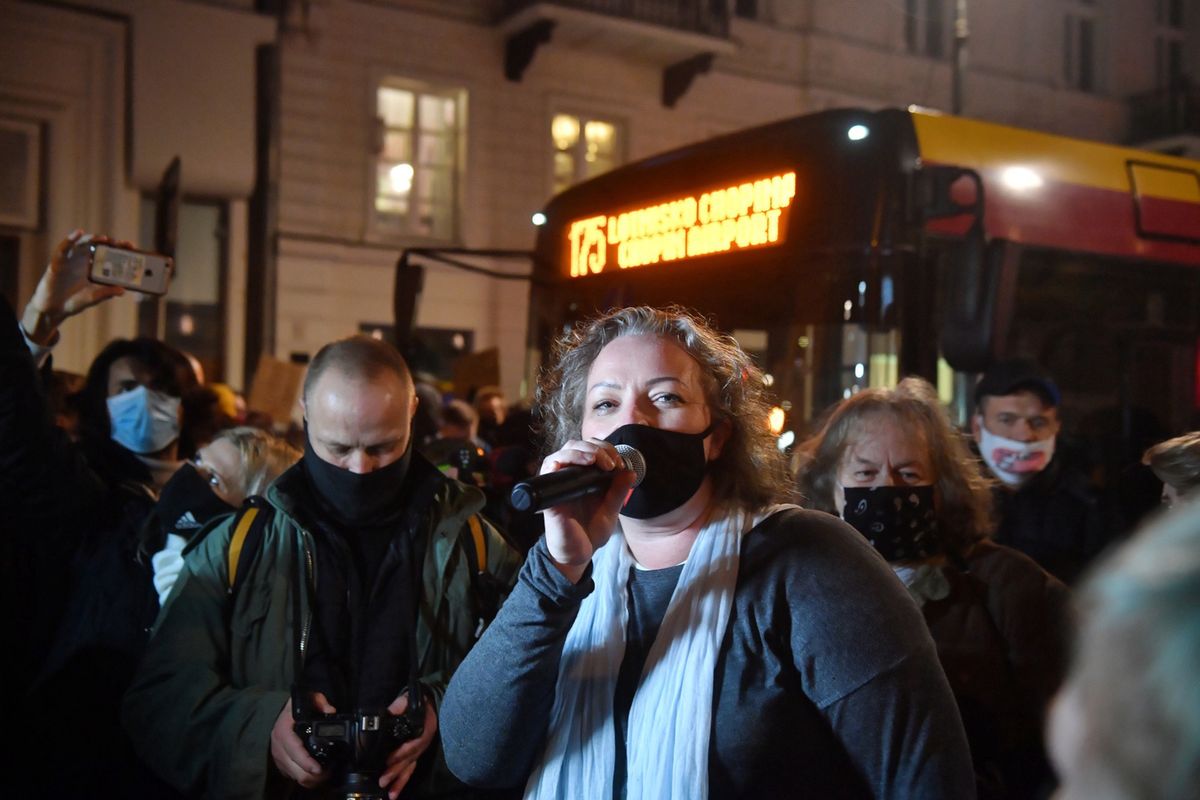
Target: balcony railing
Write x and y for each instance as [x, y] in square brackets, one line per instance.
[709, 17]
[1164, 113]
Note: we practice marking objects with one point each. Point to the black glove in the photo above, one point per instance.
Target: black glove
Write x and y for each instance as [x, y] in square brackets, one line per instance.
[187, 502]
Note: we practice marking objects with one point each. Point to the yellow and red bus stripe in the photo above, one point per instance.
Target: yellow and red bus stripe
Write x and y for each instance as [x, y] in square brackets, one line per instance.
[1047, 190]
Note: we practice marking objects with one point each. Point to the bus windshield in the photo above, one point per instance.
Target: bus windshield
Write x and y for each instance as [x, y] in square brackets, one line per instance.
[817, 244]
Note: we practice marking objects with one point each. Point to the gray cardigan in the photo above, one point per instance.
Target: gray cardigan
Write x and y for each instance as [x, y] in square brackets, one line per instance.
[827, 683]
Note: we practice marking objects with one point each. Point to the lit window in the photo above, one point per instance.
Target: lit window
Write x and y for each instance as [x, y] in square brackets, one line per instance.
[417, 162]
[583, 148]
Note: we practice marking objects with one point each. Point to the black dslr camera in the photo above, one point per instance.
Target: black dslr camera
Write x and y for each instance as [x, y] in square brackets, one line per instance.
[356, 746]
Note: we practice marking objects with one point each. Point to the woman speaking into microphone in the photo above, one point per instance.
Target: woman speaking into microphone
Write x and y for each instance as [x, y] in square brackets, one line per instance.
[692, 636]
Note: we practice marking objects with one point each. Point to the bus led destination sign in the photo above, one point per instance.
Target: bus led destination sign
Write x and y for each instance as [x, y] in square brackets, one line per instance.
[736, 217]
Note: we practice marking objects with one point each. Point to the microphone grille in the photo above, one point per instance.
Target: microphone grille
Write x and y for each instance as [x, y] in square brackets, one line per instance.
[633, 460]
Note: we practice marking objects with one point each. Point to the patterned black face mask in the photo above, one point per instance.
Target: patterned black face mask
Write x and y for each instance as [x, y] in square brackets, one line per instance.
[899, 521]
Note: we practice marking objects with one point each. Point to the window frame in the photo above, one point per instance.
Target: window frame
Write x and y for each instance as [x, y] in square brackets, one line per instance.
[1171, 14]
[1078, 74]
[1170, 38]
[156, 309]
[917, 25]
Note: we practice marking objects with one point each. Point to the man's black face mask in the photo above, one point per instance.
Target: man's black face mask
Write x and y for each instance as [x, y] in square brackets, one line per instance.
[356, 499]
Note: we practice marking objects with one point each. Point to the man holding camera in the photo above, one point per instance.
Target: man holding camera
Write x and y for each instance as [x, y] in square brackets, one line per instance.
[339, 621]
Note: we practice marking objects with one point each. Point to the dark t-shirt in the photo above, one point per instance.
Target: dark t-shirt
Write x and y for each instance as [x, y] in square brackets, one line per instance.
[650, 593]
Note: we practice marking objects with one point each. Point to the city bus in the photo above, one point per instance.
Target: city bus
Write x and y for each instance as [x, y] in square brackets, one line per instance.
[848, 248]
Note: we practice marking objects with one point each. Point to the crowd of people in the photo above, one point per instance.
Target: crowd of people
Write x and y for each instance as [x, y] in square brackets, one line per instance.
[201, 606]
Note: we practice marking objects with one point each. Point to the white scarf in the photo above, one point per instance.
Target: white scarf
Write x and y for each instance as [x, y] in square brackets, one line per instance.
[924, 582]
[671, 717]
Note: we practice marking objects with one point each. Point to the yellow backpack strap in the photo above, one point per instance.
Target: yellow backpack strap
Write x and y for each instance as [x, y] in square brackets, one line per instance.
[240, 531]
[480, 542]
[485, 592]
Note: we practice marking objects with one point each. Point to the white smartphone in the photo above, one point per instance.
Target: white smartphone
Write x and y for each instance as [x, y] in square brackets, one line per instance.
[139, 271]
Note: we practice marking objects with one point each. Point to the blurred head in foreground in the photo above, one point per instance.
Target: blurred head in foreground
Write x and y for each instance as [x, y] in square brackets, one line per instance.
[1127, 721]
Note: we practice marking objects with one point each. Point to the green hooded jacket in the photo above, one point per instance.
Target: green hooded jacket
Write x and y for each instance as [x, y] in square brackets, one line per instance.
[219, 667]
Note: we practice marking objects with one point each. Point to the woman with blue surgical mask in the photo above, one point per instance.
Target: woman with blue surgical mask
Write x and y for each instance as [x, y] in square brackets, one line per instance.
[144, 420]
[131, 410]
[889, 462]
[687, 633]
[80, 598]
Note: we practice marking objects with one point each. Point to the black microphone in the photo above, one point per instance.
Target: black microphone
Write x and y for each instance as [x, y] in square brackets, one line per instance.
[570, 483]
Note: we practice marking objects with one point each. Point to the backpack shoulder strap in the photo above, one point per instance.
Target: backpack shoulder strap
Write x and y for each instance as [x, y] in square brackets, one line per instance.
[486, 591]
[477, 553]
[248, 528]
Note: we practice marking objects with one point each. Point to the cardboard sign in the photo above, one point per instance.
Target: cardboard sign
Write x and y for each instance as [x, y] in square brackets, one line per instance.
[473, 370]
[276, 388]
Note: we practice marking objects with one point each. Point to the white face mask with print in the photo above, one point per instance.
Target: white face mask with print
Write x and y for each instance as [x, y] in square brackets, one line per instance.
[1011, 461]
[144, 420]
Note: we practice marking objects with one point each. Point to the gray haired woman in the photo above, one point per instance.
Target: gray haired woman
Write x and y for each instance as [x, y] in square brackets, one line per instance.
[690, 636]
[891, 464]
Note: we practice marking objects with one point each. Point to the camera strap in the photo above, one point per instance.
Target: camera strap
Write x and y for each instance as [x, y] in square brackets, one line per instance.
[300, 700]
[302, 581]
[415, 699]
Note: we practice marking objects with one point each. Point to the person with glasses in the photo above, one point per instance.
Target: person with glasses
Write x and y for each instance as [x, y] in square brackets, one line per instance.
[238, 463]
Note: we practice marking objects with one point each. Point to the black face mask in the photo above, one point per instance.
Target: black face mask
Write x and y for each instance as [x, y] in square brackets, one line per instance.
[357, 499]
[675, 467]
[187, 502]
[899, 521]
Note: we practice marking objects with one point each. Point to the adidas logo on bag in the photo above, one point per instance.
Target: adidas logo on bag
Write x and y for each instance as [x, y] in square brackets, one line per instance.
[187, 522]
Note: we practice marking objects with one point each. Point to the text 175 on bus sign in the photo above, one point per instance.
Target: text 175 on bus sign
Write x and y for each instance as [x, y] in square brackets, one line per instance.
[738, 217]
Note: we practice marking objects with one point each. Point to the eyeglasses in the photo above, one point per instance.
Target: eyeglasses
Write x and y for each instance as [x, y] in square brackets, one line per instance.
[206, 472]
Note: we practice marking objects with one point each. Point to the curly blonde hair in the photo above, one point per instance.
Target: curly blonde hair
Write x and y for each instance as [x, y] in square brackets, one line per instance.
[964, 494]
[264, 457]
[750, 471]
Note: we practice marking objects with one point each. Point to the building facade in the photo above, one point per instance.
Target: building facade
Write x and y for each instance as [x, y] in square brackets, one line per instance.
[320, 138]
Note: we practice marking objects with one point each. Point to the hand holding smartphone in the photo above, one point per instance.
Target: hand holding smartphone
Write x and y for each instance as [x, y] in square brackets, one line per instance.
[136, 270]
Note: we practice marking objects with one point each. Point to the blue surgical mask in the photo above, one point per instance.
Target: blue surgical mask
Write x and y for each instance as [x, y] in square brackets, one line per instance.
[144, 420]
